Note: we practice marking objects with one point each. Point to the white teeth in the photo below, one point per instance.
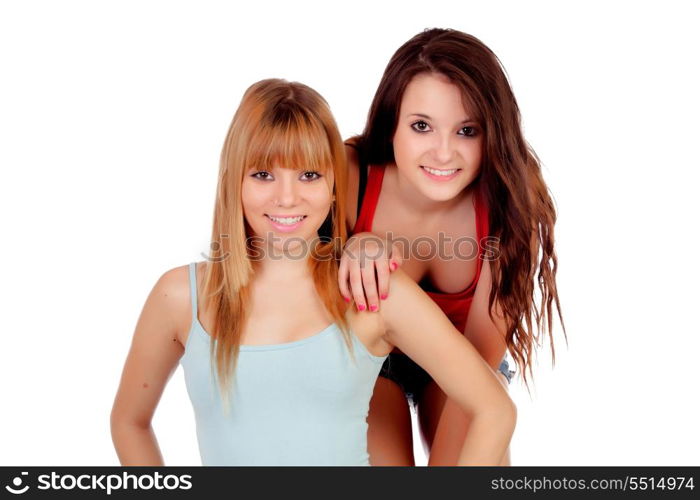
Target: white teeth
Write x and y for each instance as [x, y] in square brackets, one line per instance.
[442, 173]
[286, 220]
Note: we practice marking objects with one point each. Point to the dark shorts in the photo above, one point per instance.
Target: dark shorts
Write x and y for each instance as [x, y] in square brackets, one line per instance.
[412, 378]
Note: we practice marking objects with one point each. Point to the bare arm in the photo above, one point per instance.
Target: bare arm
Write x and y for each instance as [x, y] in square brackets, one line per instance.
[152, 359]
[485, 333]
[415, 324]
[487, 336]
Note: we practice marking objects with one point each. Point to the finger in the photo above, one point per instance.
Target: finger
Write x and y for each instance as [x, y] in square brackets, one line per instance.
[396, 259]
[356, 287]
[370, 285]
[343, 276]
[383, 277]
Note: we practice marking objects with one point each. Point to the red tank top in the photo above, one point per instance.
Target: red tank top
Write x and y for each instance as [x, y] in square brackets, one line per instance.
[455, 305]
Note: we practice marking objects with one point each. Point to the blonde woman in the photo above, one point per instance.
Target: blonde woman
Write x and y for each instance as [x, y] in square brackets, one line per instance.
[279, 368]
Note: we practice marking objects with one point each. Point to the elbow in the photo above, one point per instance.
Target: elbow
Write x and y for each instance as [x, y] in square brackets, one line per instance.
[119, 422]
[505, 415]
[117, 419]
[503, 406]
[500, 413]
[510, 415]
[117, 425]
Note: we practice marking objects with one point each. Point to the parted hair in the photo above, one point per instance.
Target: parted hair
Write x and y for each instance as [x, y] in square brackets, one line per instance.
[521, 210]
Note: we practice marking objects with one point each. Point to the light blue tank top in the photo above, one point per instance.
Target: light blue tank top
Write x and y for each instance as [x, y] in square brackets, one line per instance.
[298, 403]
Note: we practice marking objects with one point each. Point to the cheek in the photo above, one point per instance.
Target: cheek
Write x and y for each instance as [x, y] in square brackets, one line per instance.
[315, 200]
[252, 198]
[406, 147]
[471, 151]
[321, 200]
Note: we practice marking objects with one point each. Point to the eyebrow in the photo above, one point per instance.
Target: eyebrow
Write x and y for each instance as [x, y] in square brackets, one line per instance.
[421, 115]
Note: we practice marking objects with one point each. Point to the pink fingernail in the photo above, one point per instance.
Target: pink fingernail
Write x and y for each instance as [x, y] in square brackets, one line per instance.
[384, 296]
[361, 307]
[394, 265]
[373, 308]
[346, 299]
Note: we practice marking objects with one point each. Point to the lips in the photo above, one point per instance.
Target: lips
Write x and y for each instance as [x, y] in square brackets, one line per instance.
[285, 223]
[286, 219]
[438, 174]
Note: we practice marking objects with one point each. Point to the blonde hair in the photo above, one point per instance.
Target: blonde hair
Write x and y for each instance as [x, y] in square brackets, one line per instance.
[290, 125]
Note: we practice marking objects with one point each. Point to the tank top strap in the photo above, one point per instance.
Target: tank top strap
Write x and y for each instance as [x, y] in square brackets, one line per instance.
[193, 289]
[369, 202]
[362, 167]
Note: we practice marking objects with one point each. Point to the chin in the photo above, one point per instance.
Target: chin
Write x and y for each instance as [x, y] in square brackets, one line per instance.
[445, 194]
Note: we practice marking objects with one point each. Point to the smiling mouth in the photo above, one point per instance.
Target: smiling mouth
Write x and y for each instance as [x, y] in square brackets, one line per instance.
[440, 173]
[286, 221]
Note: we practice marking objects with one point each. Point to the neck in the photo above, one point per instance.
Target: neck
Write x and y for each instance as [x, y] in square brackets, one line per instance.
[283, 268]
[416, 202]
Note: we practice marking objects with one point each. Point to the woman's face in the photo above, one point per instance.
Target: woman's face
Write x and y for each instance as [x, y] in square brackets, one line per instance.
[437, 143]
[286, 207]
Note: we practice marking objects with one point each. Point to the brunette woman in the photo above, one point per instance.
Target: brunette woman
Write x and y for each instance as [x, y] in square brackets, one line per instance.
[443, 183]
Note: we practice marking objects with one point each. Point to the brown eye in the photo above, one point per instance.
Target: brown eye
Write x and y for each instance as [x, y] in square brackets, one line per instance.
[310, 176]
[468, 131]
[420, 126]
[262, 175]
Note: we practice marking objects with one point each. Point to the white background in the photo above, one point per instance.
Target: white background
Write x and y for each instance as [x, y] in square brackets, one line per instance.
[112, 116]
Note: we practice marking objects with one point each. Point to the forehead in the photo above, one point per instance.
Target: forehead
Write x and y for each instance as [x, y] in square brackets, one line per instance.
[434, 95]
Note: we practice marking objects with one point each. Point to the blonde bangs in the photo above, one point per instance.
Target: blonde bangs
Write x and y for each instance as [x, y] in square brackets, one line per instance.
[297, 142]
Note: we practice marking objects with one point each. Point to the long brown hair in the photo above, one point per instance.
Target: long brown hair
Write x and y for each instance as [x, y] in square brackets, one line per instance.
[521, 210]
[289, 124]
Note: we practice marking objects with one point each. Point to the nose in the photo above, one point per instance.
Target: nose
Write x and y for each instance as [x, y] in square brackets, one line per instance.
[443, 148]
[287, 191]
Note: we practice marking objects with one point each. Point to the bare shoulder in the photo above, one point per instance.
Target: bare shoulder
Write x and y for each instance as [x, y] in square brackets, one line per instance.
[353, 185]
[406, 303]
[369, 329]
[403, 290]
[400, 281]
[170, 300]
